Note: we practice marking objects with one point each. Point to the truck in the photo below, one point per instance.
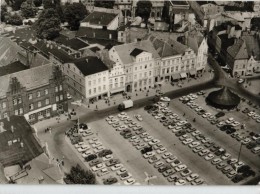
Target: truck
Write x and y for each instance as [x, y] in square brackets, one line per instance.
[125, 105]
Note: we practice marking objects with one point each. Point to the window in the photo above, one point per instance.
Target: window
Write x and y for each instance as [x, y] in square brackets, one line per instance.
[57, 98]
[99, 88]
[121, 79]
[30, 96]
[20, 111]
[31, 107]
[104, 87]
[4, 105]
[61, 97]
[16, 112]
[14, 101]
[104, 79]
[94, 82]
[145, 74]
[89, 91]
[5, 115]
[47, 101]
[150, 73]
[56, 89]
[89, 83]
[46, 91]
[39, 104]
[38, 94]
[99, 80]
[60, 87]
[95, 90]
[19, 100]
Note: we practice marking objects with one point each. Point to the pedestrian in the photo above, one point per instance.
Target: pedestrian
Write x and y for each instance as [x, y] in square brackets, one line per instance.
[96, 107]
[50, 130]
[194, 120]
[62, 162]
[183, 114]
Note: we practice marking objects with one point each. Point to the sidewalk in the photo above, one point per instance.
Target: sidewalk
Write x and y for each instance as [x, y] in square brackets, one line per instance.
[115, 100]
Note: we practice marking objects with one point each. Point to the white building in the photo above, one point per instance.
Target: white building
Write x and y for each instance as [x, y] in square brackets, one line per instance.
[138, 59]
[87, 78]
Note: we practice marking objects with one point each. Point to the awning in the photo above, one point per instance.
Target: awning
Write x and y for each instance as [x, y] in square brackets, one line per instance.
[176, 76]
[193, 72]
[183, 75]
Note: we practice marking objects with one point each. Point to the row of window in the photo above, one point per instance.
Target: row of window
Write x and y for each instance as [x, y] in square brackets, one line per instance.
[95, 90]
[94, 82]
[142, 83]
[171, 62]
[141, 75]
[116, 80]
[141, 66]
[46, 92]
[116, 85]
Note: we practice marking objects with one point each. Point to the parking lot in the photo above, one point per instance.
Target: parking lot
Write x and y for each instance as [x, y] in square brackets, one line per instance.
[182, 142]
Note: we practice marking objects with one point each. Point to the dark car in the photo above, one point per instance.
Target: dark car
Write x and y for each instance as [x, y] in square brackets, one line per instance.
[112, 162]
[180, 133]
[190, 130]
[230, 131]
[148, 107]
[127, 135]
[220, 114]
[146, 149]
[248, 173]
[83, 126]
[110, 181]
[214, 148]
[251, 145]
[91, 157]
[220, 152]
[163, 168]
[104, 152]
[246, 110]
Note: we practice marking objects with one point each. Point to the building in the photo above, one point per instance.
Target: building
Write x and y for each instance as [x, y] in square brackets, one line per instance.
[243, 56]
[138, 60]
[18, 142]
[156, 11]
[125, 6]
[87, 78]
[36, 93]
[102, 18]
[116, 73]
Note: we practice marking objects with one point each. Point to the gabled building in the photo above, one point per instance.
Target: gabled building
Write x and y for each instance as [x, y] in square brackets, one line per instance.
[138, 60]
[36, 93]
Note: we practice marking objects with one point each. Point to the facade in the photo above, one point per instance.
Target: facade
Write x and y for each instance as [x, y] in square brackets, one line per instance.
[138, 60]
[36, 93]
[87, 78]
[125, 6]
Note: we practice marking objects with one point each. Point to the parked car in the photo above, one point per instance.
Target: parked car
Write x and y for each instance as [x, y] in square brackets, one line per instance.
[110, 181]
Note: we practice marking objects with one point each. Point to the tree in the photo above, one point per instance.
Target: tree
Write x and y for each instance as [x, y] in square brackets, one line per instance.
[104, 3]
[28, 9]
[48, 4]
[74, 13]
[3, 13]
[48, 24]
[16, 5]
[14, 20]
[143, 9]
[79, 176]
[37, 3]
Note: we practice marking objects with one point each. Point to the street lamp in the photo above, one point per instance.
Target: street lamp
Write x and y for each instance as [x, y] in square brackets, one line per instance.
[149, 177]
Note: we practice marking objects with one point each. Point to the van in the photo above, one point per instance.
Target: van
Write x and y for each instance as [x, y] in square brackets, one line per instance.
[256, 150]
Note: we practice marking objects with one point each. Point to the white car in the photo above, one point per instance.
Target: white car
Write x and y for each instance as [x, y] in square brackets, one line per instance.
[205, 115]
[109, 118]
[192, 177]
[181, 182]
[187, 141]
[116, 167]
[194, 144]
[98, 149]
[216, 161]
[102, 172]
[235, 123]
[78, 145]
[83, 149]
[246, 141]
[129, 181]
[204, 152]
[176, 129]
[125, 176]
[98, 167]
[154, 141]
[87, 153]
[148, 154]
[209, 156]
[158, 116]
[195, 133]
[171, 159]
[240, 81]
[139, 117]
[225, 156]
[165, 99]
[167, 155]
[107, 157]
[161, 150]
[180, 167]
[251, 113]
[121, 171]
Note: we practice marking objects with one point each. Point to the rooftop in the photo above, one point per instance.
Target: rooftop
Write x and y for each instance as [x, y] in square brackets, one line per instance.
[74, 43]
[238, 50]
[12, 68]
[90, 65]
[29, 78]
[100, 18]
[226, 41]
[97, 33]
[15, 154]
[136, 52]
[124, 50]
